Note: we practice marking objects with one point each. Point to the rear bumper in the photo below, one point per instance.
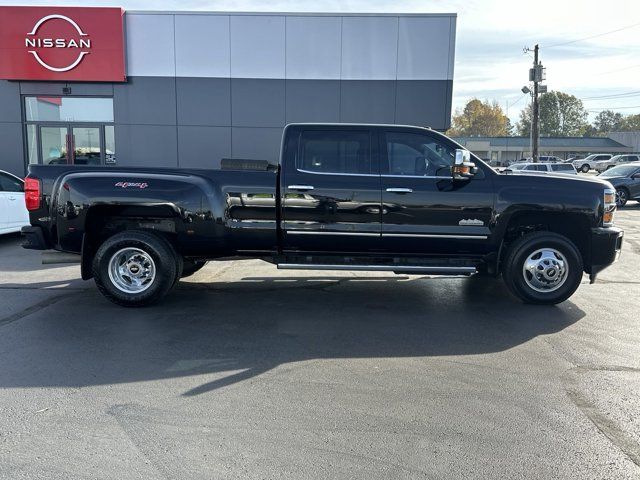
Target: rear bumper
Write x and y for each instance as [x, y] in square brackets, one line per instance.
[33, 238]
[606, 243]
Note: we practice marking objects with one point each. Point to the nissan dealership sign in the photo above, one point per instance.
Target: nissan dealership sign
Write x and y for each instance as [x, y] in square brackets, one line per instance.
[66, 43]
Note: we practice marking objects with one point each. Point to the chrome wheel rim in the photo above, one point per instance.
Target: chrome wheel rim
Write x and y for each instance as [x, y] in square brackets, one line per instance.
[132, 270]
[621, 197]
[545, 270]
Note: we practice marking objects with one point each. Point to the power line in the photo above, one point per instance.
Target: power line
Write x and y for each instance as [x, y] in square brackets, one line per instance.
[614, 95]
[611, 108]
[591, 36]
[618, 70]
[518, 100]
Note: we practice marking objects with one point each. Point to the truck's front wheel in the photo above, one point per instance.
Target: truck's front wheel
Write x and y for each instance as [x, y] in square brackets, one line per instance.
[135, 268]
[542, 268]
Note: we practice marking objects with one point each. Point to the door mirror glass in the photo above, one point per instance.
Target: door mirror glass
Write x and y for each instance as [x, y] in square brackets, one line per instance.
[463, 168]
[462, 156]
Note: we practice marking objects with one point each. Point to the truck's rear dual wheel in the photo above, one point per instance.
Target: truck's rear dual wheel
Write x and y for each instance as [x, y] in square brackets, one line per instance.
[136, 268]
[542, 268]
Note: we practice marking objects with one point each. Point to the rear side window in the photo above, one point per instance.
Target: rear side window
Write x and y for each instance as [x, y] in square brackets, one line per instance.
[335, 152]
[537, 168]
[10, 184]
[561, 167]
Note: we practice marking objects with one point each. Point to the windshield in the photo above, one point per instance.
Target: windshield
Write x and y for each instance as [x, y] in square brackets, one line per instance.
[518, 166]
[620, 171]
[616, 158]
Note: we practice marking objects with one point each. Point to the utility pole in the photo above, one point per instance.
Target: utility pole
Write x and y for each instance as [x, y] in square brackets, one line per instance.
[537, 77]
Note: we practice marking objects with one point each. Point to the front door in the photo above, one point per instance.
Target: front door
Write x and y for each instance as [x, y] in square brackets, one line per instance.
[634, 185]
[423, 210]
[330, 190]
[73, 144]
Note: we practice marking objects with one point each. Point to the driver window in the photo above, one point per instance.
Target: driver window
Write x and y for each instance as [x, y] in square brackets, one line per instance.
[414, 154]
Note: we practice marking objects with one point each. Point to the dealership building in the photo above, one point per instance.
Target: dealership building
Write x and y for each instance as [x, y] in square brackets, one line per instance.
[101, 86]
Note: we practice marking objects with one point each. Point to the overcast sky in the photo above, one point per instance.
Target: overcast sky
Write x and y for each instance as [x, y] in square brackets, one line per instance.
[491, 35]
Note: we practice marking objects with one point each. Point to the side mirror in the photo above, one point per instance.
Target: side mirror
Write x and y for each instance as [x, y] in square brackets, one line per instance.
[463, 168]
[636, 176]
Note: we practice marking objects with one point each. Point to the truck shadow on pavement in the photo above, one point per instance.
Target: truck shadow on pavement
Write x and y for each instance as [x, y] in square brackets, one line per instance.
[238, 330]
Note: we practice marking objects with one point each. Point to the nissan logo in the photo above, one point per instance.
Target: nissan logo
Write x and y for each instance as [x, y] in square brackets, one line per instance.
[33, 41]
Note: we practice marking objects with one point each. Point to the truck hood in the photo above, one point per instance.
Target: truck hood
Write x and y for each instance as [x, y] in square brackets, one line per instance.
[543, 178]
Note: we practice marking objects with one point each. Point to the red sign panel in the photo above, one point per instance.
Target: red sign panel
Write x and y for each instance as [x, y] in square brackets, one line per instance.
[62, 43]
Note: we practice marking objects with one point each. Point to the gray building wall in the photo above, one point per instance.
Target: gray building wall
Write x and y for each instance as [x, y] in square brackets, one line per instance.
[630, 139]
[204, 86]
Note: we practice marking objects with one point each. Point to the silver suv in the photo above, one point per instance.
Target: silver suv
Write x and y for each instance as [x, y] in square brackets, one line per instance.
[563, 168]
[603, 165]
[589, 163]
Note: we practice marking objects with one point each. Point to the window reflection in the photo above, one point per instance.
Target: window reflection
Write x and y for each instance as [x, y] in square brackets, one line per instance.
[110, 145]
[32, 144]
[53, 141]
[69, 109]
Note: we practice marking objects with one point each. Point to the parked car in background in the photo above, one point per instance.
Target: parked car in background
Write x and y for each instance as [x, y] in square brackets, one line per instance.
[13, 213]
[549, 159]
[603, 165]
[626, 180]
[589, 163]
[563, 168]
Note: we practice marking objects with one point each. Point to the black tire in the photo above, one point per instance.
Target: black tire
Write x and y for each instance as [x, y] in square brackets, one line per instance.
[585, 168]
[622, 196]
[190, 267]
[518, 253]
[167, 266]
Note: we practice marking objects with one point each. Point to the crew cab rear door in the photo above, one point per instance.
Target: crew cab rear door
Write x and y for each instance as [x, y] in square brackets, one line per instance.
[424, 211]
[330, 189]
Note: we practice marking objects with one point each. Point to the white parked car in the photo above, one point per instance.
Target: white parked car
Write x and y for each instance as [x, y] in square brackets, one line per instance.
[603, 165]
[589, 163]
[13, 212]
[562, 168]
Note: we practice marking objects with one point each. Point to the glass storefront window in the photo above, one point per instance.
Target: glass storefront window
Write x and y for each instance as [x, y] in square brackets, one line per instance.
[32, 144]
[68, 109]
[54, 142]
[110, 145]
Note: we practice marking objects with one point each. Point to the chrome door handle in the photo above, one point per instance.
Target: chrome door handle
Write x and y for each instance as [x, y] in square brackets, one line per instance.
[400, 190]
[300, 187]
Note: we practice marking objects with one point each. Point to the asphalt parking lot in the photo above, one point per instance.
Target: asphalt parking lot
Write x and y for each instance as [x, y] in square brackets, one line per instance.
[252, 373]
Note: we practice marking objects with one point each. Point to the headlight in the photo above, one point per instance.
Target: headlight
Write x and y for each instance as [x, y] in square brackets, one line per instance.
[609, 207]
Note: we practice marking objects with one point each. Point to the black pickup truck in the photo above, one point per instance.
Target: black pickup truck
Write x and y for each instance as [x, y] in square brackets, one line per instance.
[343, 197]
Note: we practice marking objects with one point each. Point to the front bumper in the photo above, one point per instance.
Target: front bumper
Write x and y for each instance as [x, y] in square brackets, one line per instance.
[606, 243]
[33, 238]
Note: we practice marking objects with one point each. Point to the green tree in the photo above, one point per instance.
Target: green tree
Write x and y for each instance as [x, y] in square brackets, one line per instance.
[561, 115]
[479, 118]
[607, 121]
[630, 123]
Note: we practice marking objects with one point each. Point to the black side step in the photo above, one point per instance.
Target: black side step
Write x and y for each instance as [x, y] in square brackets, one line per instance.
[428, 269]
